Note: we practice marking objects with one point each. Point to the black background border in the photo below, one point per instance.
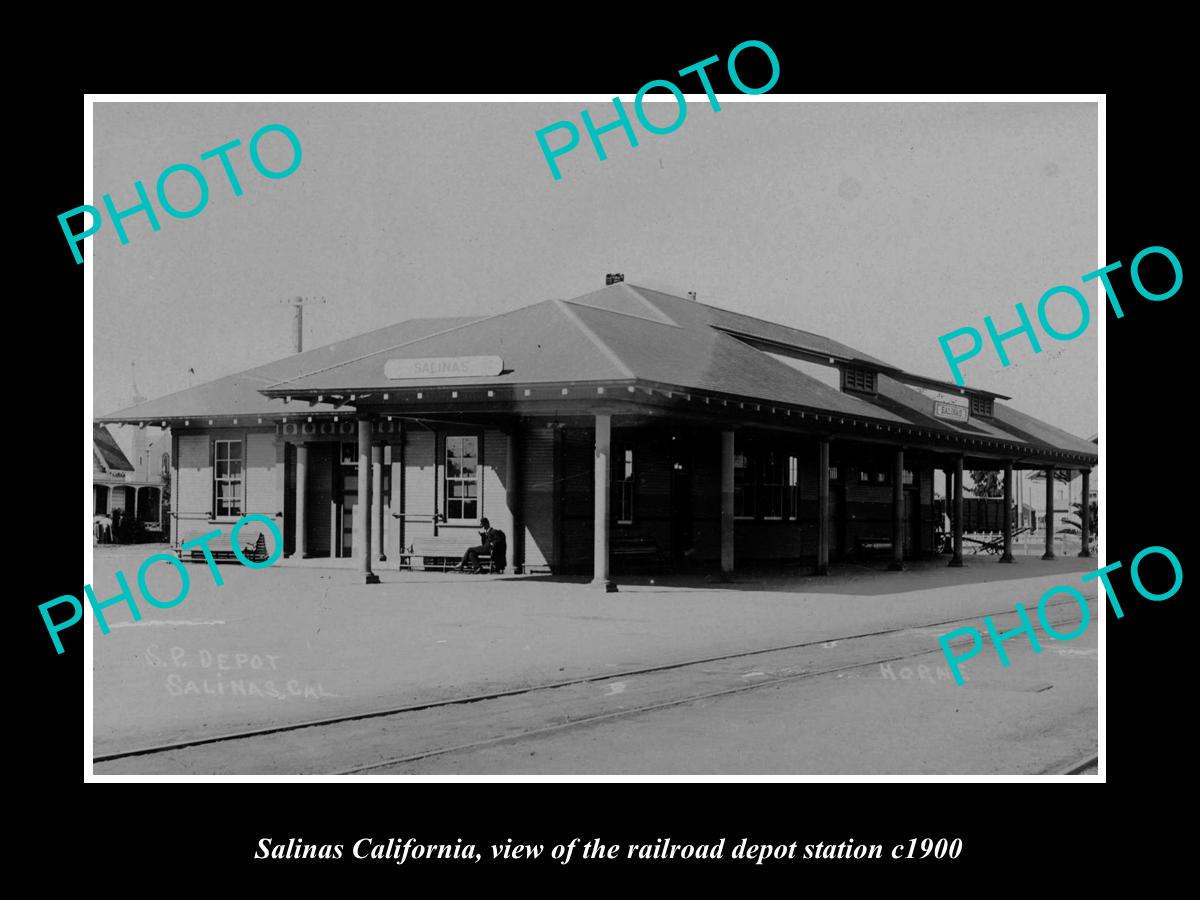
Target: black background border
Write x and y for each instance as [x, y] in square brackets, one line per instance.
[212, 834]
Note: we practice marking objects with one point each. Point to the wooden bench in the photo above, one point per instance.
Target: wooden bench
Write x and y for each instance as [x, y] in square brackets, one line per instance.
[441, 555]
[635, 547]
[221, 548]
[869, 546]
[419, 558]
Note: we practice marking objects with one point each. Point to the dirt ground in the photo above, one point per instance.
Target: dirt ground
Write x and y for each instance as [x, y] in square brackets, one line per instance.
[290, 644]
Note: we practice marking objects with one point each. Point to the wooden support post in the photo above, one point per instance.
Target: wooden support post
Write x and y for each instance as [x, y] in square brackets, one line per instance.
[1085, 515]
[399, 537]
[897, 563]
[175, 504]
[823, 523]
[727, 523]
[281, 489]
[362, 509]
[512, 494]
[1007, 556]
[301, 486]
[1048, 520]
[957, 559]
[335, 502]
[377, 493]
[600, 577]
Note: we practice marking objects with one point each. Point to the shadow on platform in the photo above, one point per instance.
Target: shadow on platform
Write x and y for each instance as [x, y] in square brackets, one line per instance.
[858, 579]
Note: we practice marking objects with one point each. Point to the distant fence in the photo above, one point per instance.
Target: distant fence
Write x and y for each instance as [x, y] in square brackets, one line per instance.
[981, 515]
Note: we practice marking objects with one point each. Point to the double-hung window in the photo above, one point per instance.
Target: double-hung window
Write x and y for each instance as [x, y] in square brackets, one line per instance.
[462, 478]
[227, 478]
[775, 485]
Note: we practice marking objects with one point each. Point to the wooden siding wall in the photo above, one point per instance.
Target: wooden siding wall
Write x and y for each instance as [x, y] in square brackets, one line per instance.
[575, 504]
[706, 497]
[652, 500]
[260, 490]
[193, 499]
[494, 505]
[536, 477]
[420, 484]
[289, 500]
[318, 498]
[421, 492]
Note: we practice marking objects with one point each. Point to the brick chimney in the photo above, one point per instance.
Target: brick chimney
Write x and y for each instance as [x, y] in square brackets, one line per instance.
[613, 278]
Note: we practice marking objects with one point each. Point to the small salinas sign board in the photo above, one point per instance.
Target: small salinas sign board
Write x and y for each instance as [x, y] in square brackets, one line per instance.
[951, 411]
[444, 367]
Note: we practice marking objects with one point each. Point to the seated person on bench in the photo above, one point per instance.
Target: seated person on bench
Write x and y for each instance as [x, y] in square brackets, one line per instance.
[470, 560]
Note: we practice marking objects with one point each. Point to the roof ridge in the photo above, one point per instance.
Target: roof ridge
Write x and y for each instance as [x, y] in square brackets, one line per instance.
[637, 292]
[593, 337]
[759, 319]
[620, 312]
[743, 315]
[734, 312]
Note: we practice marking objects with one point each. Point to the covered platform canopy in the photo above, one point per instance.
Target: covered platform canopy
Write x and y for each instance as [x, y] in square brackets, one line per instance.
[628, 350]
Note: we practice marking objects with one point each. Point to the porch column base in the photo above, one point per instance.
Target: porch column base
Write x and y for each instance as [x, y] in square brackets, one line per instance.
[603, 585]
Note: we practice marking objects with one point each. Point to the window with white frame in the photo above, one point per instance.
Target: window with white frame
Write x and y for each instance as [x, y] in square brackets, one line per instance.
[625, 486]
[349, 453]
[227, 478]
[462, 478]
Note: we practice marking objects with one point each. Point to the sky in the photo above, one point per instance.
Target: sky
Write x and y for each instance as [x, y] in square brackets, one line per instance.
[879, 225]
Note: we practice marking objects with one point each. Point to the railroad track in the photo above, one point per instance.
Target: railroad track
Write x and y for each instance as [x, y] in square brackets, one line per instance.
[1076, 768]
[470, 700]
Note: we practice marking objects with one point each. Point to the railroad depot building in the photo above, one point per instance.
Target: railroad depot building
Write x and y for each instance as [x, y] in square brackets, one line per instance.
[625, 426]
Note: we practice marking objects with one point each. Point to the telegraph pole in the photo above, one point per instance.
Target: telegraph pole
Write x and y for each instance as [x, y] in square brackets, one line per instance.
[298, 332]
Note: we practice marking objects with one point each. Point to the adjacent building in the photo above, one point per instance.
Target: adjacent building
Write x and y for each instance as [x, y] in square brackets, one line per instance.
[625, 427]
[118, 484]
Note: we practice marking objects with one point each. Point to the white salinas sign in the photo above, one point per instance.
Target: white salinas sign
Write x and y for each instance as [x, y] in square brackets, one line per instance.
[443, 367]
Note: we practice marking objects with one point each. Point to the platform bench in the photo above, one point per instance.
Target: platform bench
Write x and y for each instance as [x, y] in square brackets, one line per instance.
[437, 557]
[221, 548]
[634, 547]
[874, 545]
